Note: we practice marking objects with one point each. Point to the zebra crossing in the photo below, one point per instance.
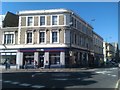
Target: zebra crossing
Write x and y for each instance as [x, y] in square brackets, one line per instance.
[22, 84]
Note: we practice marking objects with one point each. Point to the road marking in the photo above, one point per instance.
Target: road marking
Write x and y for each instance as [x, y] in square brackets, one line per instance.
[6, 81]
[24, 84]
[0, 80]
[114, 75]
[15, 83]
[108, 74]
[78, 78]
[63, 79]
[103, 72]
[61, 75]
[37, 86]
[117, 85]
[36, 74]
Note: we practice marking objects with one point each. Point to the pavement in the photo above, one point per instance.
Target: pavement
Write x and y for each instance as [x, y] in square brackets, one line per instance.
[47, 70]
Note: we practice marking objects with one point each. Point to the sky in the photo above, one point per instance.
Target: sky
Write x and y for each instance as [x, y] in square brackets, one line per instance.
[104, 13]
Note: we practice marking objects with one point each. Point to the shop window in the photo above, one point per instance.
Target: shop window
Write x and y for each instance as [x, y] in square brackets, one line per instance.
[55, 58]
[28, 58]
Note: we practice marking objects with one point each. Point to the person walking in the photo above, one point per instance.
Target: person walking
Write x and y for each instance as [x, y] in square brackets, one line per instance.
[6, 64]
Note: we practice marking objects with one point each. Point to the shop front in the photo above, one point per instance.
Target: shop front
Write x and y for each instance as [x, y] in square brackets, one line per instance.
[9, 56]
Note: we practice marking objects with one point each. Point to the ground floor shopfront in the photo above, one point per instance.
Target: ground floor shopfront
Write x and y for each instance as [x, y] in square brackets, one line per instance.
[48, 57]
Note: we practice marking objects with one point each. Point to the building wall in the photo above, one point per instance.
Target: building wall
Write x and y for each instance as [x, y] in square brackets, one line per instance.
[80, 32]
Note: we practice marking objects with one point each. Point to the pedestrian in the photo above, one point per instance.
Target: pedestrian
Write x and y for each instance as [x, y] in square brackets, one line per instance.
[35, 64]
[6, 64]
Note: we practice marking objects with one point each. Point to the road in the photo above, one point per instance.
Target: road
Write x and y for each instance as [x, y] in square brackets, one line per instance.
[95, 78]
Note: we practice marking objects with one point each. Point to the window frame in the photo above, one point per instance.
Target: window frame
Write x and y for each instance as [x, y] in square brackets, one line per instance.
[55, 21]
[12, 38]
[51, 37]
[44, 37]
[27, 38]
[41, 20]
[32, 21]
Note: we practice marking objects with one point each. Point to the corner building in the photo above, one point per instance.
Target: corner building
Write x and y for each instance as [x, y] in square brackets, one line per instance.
[53, 38]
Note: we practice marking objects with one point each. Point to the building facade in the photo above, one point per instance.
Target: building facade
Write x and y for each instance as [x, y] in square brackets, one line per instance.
[52, 38]
[98, 50]
[108, 51]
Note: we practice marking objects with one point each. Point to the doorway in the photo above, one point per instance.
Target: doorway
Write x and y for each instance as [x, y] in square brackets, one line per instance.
[41, 59]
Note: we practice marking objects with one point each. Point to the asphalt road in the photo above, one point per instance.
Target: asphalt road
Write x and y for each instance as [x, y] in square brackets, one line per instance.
[96, 78]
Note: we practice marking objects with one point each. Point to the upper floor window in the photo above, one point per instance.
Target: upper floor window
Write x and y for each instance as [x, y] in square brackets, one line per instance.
[9, 38]
[54, 20]
[42, 20]
[30, 21]
[29, 37]
[54, 36]
[42, 37]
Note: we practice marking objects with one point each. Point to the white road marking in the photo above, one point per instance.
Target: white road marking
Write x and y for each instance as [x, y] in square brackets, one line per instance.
[63, 79]
[36, 74]
[0, 80]
[117, 84]
[114, 75]
[6, 81]
[61, 75]
[108, 74]
[15, 83]
[37, 86]
[103, 72]
[78, 78]
[24, 84]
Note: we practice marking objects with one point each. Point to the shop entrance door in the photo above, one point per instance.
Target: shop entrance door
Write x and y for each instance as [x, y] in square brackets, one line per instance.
[41, 60]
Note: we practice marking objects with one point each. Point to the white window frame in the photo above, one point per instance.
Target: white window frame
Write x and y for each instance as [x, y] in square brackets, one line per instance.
[26, 37]
[44, 37]
[39, 21]
[27, 21]
[57, 20]
[5, 33]
[57, 36]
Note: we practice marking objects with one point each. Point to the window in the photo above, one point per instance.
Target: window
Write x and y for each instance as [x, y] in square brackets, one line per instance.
[42, 20]
[55, 58]
[29, 37]
[75, 39]
[30, 21]
[54, 37]
[54, 20]
[9, 38]
[42, 37]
